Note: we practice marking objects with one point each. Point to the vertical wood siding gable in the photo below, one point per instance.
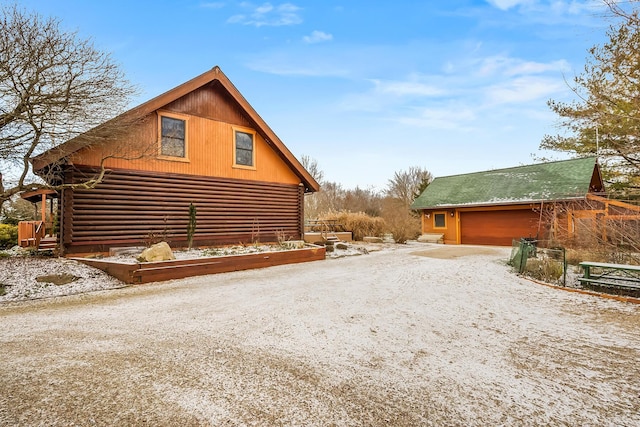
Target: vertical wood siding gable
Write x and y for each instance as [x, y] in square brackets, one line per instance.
[212, 115]
[211, 102]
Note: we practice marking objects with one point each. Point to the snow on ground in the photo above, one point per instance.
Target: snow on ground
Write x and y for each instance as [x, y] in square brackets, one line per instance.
[18, 278]
[410, 335]
[19, 271]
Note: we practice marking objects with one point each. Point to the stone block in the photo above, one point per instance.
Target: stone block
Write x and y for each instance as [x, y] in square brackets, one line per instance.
[372, 239]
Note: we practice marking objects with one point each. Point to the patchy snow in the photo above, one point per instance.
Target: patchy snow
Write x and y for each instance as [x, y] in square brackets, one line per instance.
[18, 274]
[19, 270]
[417, 334]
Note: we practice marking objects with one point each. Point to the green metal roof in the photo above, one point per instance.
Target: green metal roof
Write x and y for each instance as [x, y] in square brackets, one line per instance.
[562, 180]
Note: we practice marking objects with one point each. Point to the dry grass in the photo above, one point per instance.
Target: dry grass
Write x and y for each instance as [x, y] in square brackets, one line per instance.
[601, 254]
[577, 255]
[545, 269]
[359, 223]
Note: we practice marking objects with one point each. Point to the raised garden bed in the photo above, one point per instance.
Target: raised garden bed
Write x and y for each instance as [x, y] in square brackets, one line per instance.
[145, 272]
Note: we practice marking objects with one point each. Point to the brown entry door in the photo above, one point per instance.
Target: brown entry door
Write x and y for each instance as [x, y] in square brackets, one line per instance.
[497, 228]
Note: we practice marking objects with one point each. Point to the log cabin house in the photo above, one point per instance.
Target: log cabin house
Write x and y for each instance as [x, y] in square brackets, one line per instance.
[547, 201]
[200, 143]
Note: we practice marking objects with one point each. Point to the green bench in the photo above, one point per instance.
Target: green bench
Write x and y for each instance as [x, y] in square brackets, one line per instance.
[614, 276]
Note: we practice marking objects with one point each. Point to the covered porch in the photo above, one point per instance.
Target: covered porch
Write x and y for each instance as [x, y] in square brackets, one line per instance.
[39, 234]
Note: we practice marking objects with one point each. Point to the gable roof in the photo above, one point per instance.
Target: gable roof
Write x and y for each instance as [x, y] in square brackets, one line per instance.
[562, 180]
[62, 151]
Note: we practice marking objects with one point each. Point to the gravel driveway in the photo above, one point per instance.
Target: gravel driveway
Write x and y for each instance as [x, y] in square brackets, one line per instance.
[396, 337]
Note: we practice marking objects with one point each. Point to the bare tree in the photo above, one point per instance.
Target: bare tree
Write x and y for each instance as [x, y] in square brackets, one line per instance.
[314, 203]
[54, 86]
[330, 198]
[367, 200]
[405, 186]
[311, 165]
[624, 9]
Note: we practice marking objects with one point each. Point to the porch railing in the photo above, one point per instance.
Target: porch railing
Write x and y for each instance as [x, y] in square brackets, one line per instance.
[30, 233]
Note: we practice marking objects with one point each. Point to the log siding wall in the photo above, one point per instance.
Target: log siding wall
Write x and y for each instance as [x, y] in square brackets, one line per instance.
[131, 208]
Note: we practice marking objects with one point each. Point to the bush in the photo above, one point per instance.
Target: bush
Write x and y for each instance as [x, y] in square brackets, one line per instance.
[8, 236]
[403, 229]
[359, 223]
[401, 222]
[546, 269]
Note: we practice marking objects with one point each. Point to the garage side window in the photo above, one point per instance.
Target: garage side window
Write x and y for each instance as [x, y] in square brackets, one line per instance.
[439, 220]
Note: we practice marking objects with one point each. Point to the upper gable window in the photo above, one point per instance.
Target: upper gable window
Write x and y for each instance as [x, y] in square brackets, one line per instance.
[173, 136]
[244, 148]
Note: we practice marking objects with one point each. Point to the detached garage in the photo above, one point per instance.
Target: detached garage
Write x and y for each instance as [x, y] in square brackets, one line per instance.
[494, 207]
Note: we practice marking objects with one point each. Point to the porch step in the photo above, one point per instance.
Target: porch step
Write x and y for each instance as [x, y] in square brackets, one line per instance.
[48, 243]
[25, 243]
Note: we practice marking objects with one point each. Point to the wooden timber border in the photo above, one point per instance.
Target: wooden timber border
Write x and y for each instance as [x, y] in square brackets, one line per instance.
[146, 272]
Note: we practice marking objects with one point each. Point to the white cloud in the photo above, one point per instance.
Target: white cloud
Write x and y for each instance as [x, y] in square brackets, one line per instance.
[574, 7]
[446, 118]
[268, 15]
[558, 7]
[530, 67]
[317, 37]
[212, 5]
[284, 65]
[463, 96]
[522, 90]
[384, 96]
[507, 66]
[457, 88]
[410, 87]
[264, 9]
[508, 4]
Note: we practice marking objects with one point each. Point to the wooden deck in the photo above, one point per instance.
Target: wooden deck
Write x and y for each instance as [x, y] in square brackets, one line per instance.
[145, 272]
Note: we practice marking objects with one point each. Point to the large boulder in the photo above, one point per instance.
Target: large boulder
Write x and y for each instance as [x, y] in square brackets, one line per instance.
[158, 252]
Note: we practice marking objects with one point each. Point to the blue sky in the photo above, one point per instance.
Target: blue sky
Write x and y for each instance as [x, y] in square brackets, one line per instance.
[365, 88]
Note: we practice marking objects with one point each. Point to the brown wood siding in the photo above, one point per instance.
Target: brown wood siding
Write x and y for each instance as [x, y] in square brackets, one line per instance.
[497, 227]
[211, 115]
[131, 207]
[67, 212]
[449, 231]
[211, 102]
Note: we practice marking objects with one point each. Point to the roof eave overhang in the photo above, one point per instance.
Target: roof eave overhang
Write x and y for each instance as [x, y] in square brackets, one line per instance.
[497, 204]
